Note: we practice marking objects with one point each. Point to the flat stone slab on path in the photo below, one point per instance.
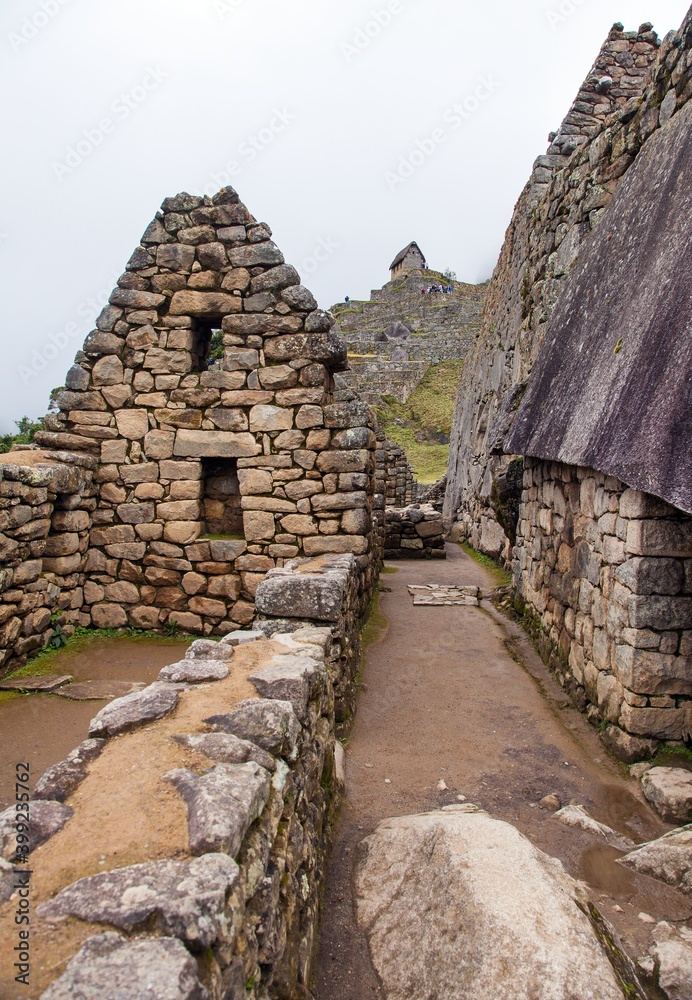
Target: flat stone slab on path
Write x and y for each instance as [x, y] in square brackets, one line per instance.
[46, 684]
[99, 690]
[437, 595]
[456, 904]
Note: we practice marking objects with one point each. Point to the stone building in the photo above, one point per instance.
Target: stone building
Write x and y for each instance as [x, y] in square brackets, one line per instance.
[409, 259]
[395, 335]
[570, 456]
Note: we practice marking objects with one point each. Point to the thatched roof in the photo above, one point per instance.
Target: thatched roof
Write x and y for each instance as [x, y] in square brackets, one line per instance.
[612, 386]
[402, 256]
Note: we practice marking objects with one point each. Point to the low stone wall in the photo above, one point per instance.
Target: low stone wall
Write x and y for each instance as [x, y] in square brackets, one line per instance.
[236, 913]
[45, 516]
[607, 570]
[401, 485]
[414, 532]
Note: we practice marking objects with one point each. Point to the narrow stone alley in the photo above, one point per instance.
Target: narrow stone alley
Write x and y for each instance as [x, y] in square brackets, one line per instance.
[455, 702]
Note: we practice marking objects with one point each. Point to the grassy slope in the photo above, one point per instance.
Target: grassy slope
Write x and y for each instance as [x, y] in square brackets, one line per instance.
[419, 425]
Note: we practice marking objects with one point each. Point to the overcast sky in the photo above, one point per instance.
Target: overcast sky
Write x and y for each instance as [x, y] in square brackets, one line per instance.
[313, 110]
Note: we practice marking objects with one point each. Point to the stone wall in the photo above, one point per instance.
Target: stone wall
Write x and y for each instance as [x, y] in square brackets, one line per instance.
[607, 570]
[562, 203]
[259, 784]
[186, 442]
[45, 516]
[414, 532]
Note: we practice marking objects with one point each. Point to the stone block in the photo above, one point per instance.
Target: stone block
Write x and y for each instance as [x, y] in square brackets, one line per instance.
[182, 532]
[270, 418]
[163, 963]
[660, 538]
[278, 377]
[255, 481]
[655, 723]
[63, 565]
[122, 592]
[258, 525]
[261, 324]
[62, 545]
[635, 504]
[652, 576]
[356, 544]
[108, 616]
[222, 804]
[132, 424]
[184, 620]
[226, 586]
[652, 673]
[208, 608]
[338, 501]
[215, 444]
[343, 461]
[660, 613]
[309, 416]
[145, 472]
[211, 305]
[178, 510]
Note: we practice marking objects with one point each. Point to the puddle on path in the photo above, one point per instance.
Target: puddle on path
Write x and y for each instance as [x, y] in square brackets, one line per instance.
[42, 728]
[598, 869]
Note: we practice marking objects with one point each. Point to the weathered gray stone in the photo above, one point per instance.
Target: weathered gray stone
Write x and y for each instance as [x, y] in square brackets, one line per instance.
[291, 678]
[305, 595]
[222, 804]
[194, 671]
[186, 899]
[99, 690]
[60, 780]
[628, 748]
[672, 951]
[299, 297]
[135, 710]
[46, 684]
[45, 819]
[578, 817]
[226, 749]
[215, 444]
[208, 649]
[443, 919]
[239, 637]
[272, 725]
[669, 790]
[668, 858]
[143, 969]
[7, 881]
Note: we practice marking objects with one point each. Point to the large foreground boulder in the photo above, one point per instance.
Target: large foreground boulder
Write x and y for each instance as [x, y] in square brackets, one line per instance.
[456, 904]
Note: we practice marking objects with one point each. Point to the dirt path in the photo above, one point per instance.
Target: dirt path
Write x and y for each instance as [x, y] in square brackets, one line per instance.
[444, 698]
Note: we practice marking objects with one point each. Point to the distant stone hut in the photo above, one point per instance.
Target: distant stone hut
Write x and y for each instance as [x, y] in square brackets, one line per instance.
[410, 259]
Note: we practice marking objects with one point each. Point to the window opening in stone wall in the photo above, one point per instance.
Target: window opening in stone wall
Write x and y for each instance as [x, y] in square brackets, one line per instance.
[208, 349]
[221, 508]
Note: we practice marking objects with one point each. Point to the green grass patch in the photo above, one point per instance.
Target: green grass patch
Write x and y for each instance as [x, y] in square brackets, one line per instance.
[386, 570]
[500, 574]
[673, 757]
[422, 426]
[228, 537]
[376, 626]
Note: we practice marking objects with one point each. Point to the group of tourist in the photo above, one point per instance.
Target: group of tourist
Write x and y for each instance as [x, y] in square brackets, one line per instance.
[438, 290]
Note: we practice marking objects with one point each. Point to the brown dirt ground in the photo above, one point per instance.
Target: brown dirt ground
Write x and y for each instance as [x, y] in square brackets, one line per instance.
[445, 698]
[124, 814]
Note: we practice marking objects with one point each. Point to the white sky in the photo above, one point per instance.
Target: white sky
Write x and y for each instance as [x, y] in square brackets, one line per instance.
[222, 70]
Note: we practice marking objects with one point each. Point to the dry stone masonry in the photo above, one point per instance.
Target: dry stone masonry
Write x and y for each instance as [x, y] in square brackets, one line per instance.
[236, 914]
[569, 457]
[398, 333]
